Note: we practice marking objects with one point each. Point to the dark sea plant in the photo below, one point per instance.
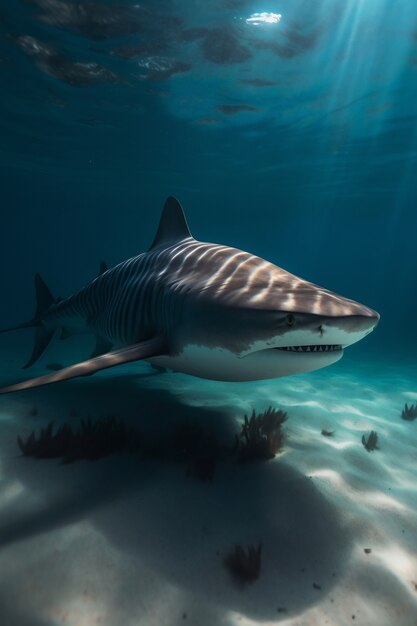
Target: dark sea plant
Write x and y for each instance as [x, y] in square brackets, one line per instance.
[327, 433]
[92, 440]
[244, 564]
[409, 413]
[370, 443]
[261, 436]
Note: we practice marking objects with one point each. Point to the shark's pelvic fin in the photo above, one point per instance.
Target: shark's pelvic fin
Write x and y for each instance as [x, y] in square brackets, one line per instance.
[143, 350]
[173, 226]
[102, 346]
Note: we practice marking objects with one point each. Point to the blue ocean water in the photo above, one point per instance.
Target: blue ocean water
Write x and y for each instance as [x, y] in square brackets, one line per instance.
[293, 140]
[285, 128]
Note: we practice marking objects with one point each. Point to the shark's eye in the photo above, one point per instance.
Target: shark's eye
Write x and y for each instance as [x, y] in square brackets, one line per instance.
[290, 319]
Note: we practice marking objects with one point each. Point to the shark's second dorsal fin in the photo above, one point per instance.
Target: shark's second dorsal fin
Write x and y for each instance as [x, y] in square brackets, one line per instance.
[172, 225]
[103, 268]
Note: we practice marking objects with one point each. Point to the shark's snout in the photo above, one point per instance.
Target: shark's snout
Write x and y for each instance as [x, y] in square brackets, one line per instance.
[314, 333]
[359, 323]
[328, 319]
[349, 329]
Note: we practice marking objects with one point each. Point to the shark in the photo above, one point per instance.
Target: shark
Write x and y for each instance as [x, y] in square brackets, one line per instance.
[204, 309]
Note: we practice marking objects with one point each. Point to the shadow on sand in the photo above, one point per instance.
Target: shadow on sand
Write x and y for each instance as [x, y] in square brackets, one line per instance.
[180, 528]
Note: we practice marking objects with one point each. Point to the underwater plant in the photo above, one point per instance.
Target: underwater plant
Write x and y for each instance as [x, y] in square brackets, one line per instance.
[327, 433]
[409, 413]
[92, 440]
[371, 442]
[244, 564]
[261, 436]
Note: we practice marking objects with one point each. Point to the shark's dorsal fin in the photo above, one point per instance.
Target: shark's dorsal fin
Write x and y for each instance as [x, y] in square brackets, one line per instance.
[173, 226]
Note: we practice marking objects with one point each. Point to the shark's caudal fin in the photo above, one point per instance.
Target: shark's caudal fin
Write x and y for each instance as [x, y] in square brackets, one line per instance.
[9, 329]
[144, 350]
[44, 301]
[43, 337]
[173, 226]
[44, 298]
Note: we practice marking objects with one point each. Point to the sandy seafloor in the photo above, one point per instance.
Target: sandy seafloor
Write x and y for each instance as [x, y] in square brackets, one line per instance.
[123, 541]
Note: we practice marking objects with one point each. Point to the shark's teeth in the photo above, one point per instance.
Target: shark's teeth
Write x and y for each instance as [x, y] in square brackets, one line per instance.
[316, 348]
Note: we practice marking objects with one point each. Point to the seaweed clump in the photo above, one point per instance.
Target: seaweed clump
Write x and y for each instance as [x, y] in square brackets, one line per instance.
[92, 440]
[409, 413]
[261, 436]
[327, 433]
[243, 564]
[371, 442]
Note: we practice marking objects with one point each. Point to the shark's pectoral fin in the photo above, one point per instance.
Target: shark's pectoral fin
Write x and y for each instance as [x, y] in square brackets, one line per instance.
[143, 350]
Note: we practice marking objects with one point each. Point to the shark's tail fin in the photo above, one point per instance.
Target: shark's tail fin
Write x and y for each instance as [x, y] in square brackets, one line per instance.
[9, 329]
[44, 301]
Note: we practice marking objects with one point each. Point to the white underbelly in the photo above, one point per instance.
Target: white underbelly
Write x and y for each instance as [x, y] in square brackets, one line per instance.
[220, 364]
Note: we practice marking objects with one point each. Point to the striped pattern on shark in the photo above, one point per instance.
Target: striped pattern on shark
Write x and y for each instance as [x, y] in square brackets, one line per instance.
[200, 308]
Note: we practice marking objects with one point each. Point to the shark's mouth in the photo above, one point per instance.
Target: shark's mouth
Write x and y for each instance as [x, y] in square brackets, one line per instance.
[315, 348]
